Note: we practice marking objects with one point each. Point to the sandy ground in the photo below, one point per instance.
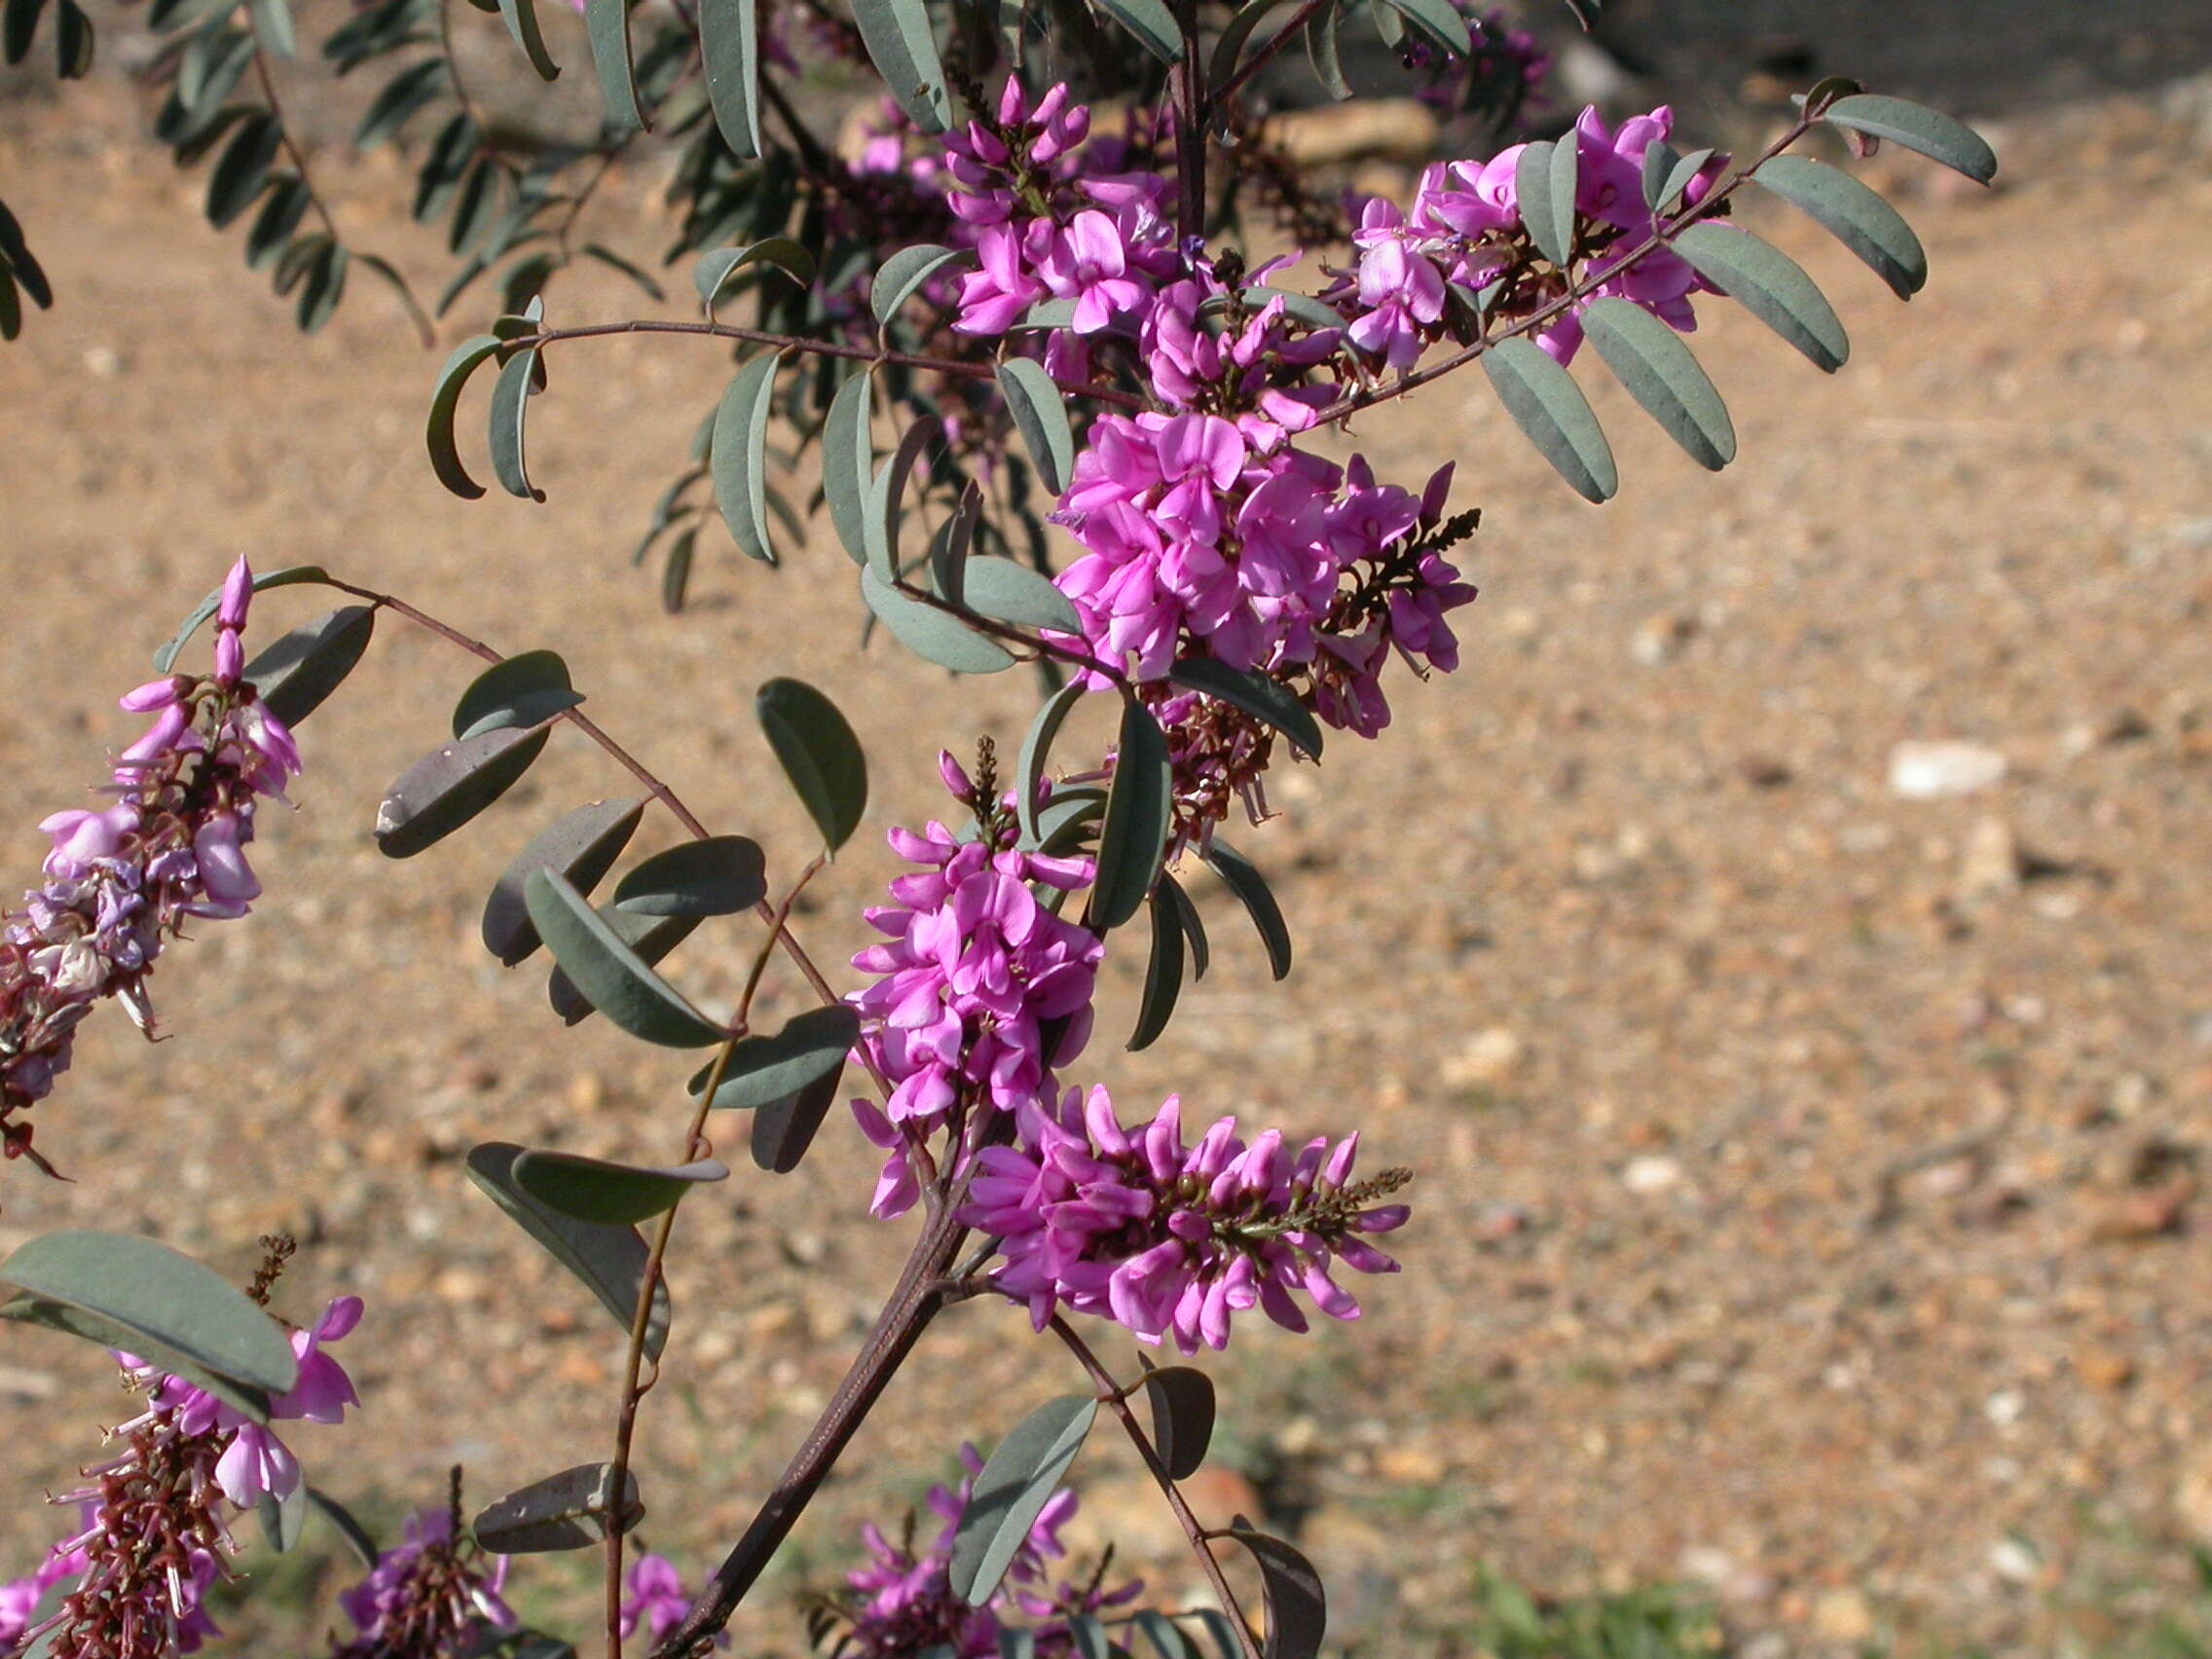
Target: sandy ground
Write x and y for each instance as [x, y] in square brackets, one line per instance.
[1808, 1176]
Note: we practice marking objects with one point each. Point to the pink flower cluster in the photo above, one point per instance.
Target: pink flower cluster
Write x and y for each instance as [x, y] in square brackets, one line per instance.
[122, 878]
[902, 1602]
[1463, 228]
[155, 1529]
[975, 974]
[432, 1598]
[1170, 1240]
[654, 1598]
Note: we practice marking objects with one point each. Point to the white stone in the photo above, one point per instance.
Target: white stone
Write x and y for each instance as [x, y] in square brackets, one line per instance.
[1937, 771]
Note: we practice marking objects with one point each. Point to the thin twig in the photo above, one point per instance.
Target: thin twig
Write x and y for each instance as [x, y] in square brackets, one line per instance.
[1116, 1399]
[1265, 54]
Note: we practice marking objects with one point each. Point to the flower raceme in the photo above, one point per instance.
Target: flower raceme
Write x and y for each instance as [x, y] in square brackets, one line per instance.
[1171, 1241]
[122, 879]
[432, 1598]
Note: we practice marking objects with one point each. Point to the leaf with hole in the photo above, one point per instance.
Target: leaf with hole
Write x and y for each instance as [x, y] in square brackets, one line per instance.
[1552, 412]
[1242, 878]
[609, 1261]
[582, 845]
[603, 967]
[1182, 1401]
[175, 1312]
[935, 634]
[819, 754]
[1926, 132]
[524, 690]
[609, 1194]
[902, 274]
[1041, 415]
[740, 455]
[763, 1070]
[567, 1511]
[1853, 215]
[1140, 812]
[1769, 284]
[718, 875]
[1298, 1609]
[1016, 1481]
[1263, 698]
[450, 786]
[1659, 371]
[899, 44]
[1036, 749]
[297, 673]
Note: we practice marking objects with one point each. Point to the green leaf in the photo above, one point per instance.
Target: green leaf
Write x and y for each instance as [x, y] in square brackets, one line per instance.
[1152, 24]
[511, 396]
[740, 455]
[676, 575]
[1298, 1612]
[582, 845]
[1242, 878]
[272, 25]
[1551, 411]
[11, 306]
[729, 43]
[1223, 1633]
[323, 287]
[1233, 34]
[1853, 215]
[1089, 1638]
[281, 210]
[934, 635]
[1036, 749]
[282, 1518]
[1162, 973]
[290, 575]
[567, 1511]
[1661, 188]
[652, 937]
[171, 1306]
[450, 786]
[616, 979]
[1063, 823]
[718, 876]
[899, 44]
[19, 27]
[763, 1070]
[886, 512]
[610, 1261]
[1769, 284]
[1166, 1638]
[1140, 812]
[523, 690]
[400, 97]
[1657, 368]
[243, 169]
[298, 672]
[521, 22]
[606, 24]
[782, 1129]
[344, 1523]
[613, 261]
[902, 274]
[718, 267]
[1039, 414]
[1194, 928]
[848, 464]
[1007, 592]
[609, 1194]
[444, 402]
[1547, 210]
[1443, 23]
[1919, 128]
[15, 253]
[1016, 1481]
[1264, 699]
[1182, 1401]
[1017, 1644]
[819, 754]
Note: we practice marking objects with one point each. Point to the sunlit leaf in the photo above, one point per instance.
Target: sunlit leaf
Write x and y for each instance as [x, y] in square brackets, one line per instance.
[1017, 1480]
[609, 1194]
[1443, 23]
[521, 22]
[932, 634]
[718, 875]
[718, 267]
[1040, 412]
[1036, 749]
[606, 23]
[1258, 696]
[1552, 412]
[568, 1511]
[1140, 812]
[1930, 133]
[619, 982]
[526, 690]
[1855, 215]
[1152, 24]
[290, 575]
[582, 845]
[652, 937]
[450, 786]
[740, 455]
[902, 274]
[1007, 592]
[899, 44]
[282, 1518]
[1546, 208]
[1162, 973]
[295, 674]
[610, 1261]
[445, 401]
[1657, 368]
[1769, 284]
[848, 464]
[820, 754]
[510, 397]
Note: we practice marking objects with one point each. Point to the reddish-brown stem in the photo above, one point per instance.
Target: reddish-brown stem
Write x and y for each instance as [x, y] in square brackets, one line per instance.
[1592, 278]
[1264, 55]
[1116, 1399]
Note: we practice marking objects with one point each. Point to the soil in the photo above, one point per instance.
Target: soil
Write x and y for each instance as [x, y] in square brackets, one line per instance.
[1808, 1198]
